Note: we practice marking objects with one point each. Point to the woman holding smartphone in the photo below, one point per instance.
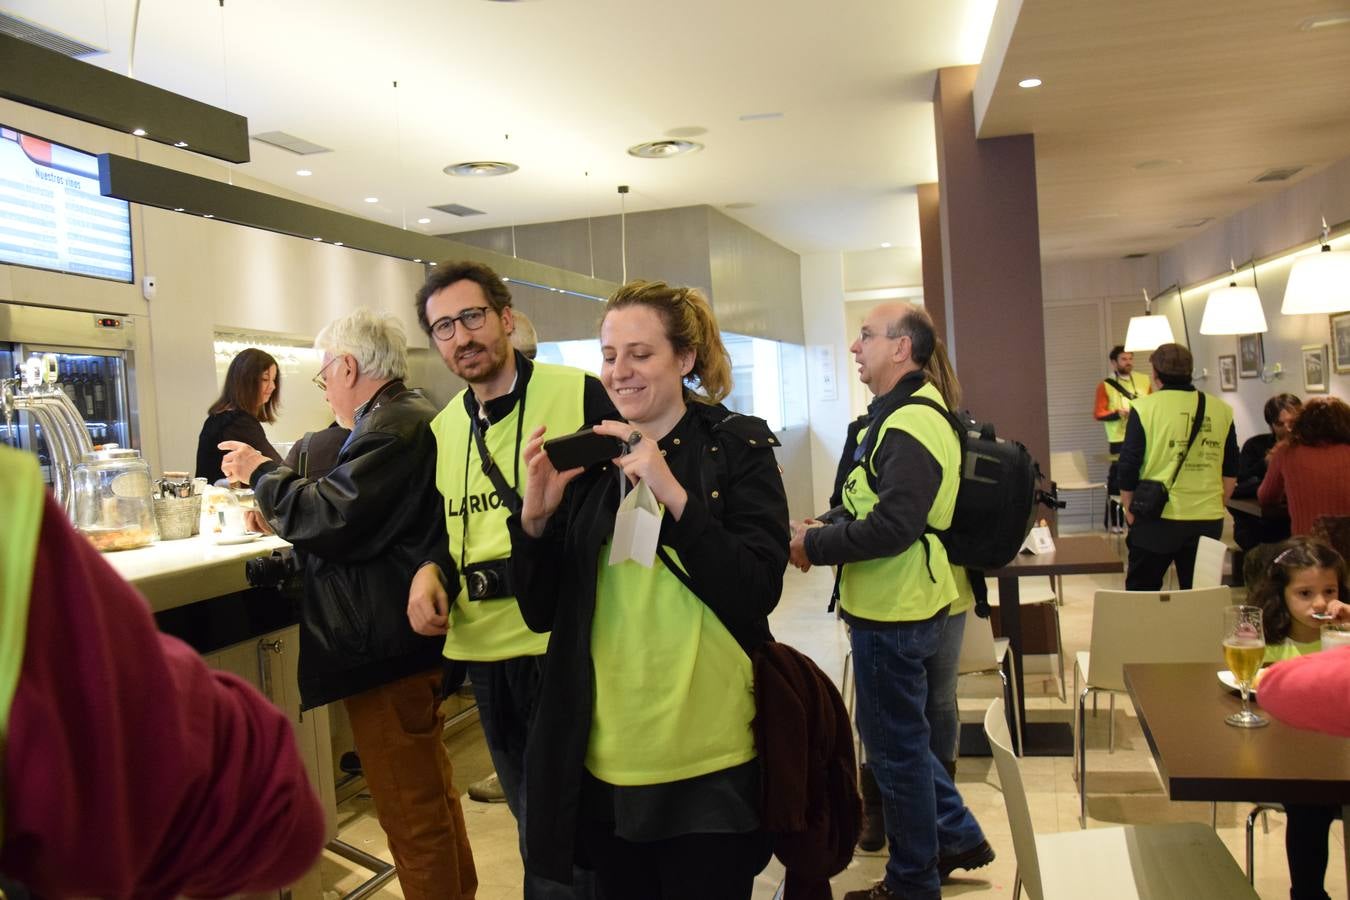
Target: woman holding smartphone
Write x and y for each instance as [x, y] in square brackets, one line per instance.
[642, 764]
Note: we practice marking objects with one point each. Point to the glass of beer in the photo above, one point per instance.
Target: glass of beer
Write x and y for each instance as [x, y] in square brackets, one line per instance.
[1244, 649]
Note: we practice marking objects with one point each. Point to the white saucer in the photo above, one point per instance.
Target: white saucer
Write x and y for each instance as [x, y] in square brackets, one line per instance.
[237, 538]
[1226, 678]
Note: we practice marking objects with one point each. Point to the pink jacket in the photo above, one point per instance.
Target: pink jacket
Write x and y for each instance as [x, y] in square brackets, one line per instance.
[1312, 691]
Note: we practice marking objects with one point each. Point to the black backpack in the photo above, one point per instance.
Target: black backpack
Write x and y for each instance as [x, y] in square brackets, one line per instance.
[996, 498]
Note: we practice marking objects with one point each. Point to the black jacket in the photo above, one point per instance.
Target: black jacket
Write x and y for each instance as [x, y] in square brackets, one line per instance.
[733, 540]
[364, 530]
[230, 425]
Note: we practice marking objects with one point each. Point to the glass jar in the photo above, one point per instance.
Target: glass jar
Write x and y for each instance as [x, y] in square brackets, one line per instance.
[113, 506]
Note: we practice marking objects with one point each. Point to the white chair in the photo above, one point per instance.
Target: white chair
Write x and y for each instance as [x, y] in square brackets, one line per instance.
[1069, 472]
[1126, 862]
[1141, 627]
[984, 654]
[1209, 558]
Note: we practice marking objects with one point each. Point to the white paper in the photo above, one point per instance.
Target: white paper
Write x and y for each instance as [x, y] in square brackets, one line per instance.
[637, 528]
[1039, 541]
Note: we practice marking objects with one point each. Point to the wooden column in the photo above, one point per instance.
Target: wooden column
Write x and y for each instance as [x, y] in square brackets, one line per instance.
[930, 244]
[992, 267]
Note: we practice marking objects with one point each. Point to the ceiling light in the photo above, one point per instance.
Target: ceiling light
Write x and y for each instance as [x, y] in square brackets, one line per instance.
[372, 199]
[337, 243]
[180, 143]
[316, 239]
[1324, 20]
[431, 264]
[885, 245]
[1147, 332]
[303, 173]
[1233, 310]
[178, 209]
[423, 221]
[480, 169]
[209, 216]
[419, 259]
[139, 132]
[664, 149]
[1029, 83]
[1319, 282]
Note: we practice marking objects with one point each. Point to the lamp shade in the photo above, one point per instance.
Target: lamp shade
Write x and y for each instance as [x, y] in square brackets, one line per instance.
[1147, 333]
[1318, 283]
[1233, 310]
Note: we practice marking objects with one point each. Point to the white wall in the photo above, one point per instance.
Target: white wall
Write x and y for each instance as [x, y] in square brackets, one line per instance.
[823, 319]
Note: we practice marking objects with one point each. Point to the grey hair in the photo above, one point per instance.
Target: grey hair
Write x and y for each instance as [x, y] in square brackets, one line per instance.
[524, 337]
[377, 341]
[915, 324]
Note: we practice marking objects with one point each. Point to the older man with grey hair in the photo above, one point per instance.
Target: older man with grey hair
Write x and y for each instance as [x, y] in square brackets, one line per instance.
[362, 530]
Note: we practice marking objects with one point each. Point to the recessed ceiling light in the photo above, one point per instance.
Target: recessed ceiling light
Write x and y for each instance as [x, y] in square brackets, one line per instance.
[180, 143]
[1324, 20]
[480, 169]
[760, 117]
[209, 216]
[139, 132]
[1029, 83]
[337, 243]
[303, 173]
[885, 245]
[372, 199]
[316, 239]
[431, 264]
[178, 209]
[664, 149]
[417, 259]
[423, 221]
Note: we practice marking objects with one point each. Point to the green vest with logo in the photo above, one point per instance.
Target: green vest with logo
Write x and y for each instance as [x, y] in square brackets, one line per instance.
[21, 486]
[1197, 494]
[492, 630]
[1136, 382]
[914, 585]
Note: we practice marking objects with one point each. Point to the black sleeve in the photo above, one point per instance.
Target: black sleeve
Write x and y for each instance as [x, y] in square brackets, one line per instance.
[333, 516]
[536, 563]
[736, 559]
[595, 403]
[908, 478]
[1230, 454]
[1251, 466]
[248, 430]
[1131, 455]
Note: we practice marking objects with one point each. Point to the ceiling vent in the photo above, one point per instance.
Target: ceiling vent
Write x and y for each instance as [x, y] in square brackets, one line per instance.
[1281, 174]
[458, 209]
[290, 142]
[33, 33]
[1135, 256]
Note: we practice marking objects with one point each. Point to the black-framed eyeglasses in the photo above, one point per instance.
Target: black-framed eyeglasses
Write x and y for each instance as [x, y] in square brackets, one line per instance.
[473, 319]
[319, 381]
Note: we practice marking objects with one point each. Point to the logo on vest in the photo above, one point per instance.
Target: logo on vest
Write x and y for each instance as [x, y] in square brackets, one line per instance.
[475, 503]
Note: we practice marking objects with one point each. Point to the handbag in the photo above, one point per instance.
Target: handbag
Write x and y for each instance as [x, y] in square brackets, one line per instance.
[1150, 497]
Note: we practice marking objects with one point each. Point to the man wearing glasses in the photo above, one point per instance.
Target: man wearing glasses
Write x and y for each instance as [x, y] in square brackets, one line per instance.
[362, 530]
[480, 437]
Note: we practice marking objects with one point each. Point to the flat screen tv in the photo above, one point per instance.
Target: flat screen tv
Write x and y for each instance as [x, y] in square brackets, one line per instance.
[52, 215]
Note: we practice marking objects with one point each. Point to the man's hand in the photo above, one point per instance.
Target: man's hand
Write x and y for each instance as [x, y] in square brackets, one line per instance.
[240, 461]
[797, 546]
[254, 521]
[428, 602]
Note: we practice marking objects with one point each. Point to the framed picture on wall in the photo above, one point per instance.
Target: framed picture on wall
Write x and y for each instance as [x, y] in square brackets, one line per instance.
[1251, 356]
[1315, 368]
[1340, 342]
[1228, 373]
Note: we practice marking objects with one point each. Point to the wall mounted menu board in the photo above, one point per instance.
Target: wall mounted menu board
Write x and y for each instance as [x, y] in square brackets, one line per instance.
[52, 215]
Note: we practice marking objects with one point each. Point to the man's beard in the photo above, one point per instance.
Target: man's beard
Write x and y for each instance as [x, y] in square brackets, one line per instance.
[484, 368]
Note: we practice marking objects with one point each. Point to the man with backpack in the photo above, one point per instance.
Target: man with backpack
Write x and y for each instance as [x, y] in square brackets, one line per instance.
[895, 589]
[1112, 408]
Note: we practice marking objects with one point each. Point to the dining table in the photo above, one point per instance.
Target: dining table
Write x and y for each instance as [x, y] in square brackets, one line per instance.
[1181, 709]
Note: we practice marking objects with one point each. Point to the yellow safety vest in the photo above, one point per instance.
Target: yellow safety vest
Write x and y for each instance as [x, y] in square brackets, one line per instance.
[21, 486]
[492, 630]
[1137, 382]
[1197, 493]
[913, 585]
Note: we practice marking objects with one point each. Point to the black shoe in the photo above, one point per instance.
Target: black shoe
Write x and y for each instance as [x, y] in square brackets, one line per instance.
[878, 891]
[350, 763]
[976, 857]
[872, 837]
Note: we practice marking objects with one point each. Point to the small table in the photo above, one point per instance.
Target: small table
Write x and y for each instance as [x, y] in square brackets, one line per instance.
[1248, 506]
[1181, 709]
[1088, 554]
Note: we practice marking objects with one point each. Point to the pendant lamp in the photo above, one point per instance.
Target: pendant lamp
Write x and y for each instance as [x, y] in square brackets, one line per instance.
[1318, 282]
[1234, 310]
[1147, 332]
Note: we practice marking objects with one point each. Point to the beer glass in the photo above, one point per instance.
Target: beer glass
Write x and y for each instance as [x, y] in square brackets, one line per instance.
[1244, 649]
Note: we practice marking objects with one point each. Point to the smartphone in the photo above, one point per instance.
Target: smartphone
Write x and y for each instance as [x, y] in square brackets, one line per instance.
[582, 449]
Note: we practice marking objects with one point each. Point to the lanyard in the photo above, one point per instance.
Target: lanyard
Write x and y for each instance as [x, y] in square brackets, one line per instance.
[490, 468]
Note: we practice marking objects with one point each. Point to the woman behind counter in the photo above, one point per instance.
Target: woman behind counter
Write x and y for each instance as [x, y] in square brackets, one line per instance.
[251, 396]
[642, 763]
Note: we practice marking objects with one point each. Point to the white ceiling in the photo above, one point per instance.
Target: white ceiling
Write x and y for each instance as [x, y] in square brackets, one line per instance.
[562, 88]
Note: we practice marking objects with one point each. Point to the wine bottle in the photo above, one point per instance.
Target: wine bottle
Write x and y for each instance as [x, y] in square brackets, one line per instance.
[88, 392]
[100, 406]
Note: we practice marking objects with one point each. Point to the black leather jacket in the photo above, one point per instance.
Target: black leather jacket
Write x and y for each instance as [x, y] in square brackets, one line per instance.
[362, 532]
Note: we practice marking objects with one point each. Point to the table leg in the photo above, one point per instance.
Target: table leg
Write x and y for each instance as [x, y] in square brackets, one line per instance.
[1345, 839]
[1010, 617]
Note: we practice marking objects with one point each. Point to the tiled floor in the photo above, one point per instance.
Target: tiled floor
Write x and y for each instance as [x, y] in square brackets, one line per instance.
[1123, 786]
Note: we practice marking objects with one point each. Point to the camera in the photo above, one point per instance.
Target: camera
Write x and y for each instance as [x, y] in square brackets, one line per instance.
[489, 580]
[270, 571]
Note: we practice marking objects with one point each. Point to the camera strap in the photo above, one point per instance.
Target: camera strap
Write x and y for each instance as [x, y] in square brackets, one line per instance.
[510, 499]
[1195, 430]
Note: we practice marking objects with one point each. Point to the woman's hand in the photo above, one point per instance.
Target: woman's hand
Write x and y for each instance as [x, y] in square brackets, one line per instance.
[544, 487]
[644, 461]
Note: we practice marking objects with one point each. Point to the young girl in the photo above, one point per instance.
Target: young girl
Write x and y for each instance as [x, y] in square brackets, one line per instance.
[1302, 580]
[1303, 577]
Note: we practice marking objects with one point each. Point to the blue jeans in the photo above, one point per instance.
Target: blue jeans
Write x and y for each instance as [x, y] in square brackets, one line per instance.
[923, 811]
[514, 682]
[944, 721]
